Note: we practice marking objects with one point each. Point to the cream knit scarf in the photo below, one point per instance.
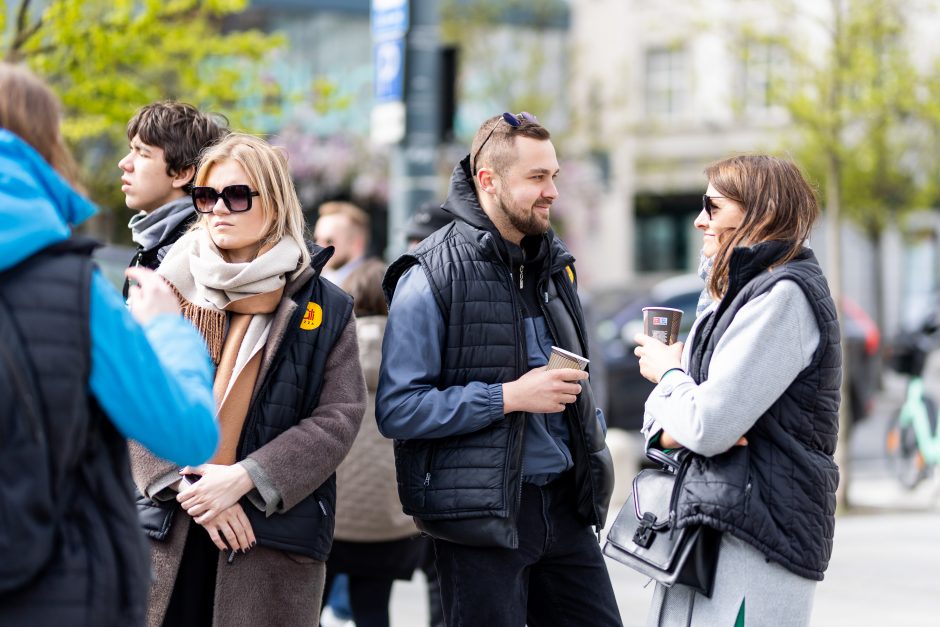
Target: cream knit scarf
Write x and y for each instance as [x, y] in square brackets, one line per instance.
[213, 291]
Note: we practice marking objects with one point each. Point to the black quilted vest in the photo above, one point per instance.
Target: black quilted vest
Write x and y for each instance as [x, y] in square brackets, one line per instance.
[466, 488]
[289, 393]
[778, 492]
[100, 570]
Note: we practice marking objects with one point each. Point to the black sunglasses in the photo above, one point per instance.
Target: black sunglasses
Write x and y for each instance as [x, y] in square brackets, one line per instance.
[512, 119]
[236, 197]
[708, 205]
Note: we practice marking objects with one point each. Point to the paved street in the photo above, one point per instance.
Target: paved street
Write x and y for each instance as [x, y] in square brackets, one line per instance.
[885, 567]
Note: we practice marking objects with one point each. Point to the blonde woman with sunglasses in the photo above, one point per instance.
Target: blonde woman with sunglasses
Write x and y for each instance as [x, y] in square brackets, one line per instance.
[249, 532]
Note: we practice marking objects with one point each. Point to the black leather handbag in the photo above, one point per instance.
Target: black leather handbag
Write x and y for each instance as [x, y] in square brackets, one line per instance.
[645, 537]
[155, 517]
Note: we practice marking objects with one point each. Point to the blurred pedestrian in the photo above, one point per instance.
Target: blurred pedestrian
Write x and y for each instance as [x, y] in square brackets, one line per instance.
[345, 227]
[75, 556]
[165, 139]
[426, 219]
[249, 543]
[502, 462]
[375, 542]
[761, 369]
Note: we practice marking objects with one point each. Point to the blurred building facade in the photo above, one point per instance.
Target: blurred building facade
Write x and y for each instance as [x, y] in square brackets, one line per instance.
[663, 89]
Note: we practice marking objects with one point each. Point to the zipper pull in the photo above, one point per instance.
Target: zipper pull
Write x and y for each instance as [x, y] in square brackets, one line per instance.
[322, 506]
[521, 274]
[546, 298]
[427, 480]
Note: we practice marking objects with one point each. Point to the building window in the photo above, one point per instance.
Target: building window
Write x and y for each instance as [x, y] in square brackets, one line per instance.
[666, 81]
[762, 72]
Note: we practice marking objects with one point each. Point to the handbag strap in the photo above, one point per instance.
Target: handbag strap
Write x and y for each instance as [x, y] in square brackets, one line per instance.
[663, 459]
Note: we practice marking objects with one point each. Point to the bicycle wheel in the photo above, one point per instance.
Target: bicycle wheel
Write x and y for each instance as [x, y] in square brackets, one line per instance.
[904, 457]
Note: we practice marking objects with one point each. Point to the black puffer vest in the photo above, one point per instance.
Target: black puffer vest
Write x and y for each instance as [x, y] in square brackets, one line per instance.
[289, 393]
[466, 488]
[100, 570]
[778, 492]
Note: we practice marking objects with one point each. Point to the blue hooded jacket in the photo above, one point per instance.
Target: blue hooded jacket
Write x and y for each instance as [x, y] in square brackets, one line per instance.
[154, 382]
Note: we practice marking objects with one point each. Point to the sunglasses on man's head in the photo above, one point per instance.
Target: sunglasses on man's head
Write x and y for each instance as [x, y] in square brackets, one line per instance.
[237, 198]
[514, 120]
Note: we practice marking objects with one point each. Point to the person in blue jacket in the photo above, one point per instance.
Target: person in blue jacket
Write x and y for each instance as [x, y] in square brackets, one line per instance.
[90, 357]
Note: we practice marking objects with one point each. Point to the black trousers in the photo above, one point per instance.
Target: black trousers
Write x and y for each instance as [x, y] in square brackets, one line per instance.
[557, 576]
[193, 597]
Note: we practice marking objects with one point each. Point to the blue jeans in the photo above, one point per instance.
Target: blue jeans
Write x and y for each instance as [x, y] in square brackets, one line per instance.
[557, 576]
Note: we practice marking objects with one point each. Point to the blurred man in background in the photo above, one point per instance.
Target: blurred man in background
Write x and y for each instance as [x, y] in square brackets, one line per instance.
[345, 227]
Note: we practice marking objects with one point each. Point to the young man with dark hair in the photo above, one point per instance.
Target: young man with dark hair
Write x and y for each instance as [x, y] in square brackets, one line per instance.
[500, 460]
[165, 141]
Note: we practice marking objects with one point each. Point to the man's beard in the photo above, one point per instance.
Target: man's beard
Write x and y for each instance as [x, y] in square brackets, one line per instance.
[526, 222]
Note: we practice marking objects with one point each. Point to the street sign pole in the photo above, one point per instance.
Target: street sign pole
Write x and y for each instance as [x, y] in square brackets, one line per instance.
[412, 176]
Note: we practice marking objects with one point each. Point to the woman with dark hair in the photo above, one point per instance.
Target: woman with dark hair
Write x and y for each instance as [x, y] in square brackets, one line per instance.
[375, 542]
[754, 395]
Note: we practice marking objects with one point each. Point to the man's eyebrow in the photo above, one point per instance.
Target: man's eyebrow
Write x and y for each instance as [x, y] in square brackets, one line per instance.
[543, 171]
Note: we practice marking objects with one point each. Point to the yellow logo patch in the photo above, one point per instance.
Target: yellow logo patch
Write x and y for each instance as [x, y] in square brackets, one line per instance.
[570, 273]
[313, 318]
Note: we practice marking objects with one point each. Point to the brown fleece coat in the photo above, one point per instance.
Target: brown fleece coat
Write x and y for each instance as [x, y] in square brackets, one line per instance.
[267, 586]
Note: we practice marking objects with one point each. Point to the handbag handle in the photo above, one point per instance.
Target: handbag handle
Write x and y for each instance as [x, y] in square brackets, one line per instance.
[664, 459]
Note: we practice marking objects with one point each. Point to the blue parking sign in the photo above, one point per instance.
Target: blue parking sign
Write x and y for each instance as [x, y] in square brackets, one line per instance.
[389, 63]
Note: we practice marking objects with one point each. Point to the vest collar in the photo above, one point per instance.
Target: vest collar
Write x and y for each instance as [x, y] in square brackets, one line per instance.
[749, 261]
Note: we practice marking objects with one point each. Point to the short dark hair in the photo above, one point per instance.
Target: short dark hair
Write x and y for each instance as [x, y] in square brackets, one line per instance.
[496, 152]
[180, 129]
[364, 284]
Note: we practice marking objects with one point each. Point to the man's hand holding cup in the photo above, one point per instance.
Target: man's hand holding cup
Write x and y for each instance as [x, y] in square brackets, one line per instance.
[547, 389]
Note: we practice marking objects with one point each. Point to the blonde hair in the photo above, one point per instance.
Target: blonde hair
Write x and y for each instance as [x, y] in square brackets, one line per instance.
[29, 109]
[266, 168]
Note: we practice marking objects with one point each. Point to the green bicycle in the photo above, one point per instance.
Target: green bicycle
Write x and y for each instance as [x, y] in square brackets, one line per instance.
[913, 440]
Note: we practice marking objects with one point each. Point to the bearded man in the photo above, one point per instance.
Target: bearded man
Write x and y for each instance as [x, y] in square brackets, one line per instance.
[500, 460]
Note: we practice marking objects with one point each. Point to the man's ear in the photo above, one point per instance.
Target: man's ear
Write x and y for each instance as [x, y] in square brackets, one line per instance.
[183, 177]
[486, 181]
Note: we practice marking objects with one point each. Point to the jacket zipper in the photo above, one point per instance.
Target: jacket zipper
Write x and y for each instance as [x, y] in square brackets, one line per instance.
[520, 343]
[580, 430]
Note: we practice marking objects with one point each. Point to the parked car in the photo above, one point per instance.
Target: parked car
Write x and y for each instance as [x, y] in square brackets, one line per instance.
[625, 390]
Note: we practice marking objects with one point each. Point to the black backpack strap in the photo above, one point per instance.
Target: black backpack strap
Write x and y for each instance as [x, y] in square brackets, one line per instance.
[20, 370]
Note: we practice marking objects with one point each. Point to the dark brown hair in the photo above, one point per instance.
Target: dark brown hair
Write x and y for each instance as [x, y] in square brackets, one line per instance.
[29, 109]
[497, 153]
[778, 204]
[180, 129]
[364, 284]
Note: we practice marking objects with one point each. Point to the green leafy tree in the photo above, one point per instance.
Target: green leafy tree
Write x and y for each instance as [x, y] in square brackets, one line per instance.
[514, 70]
[860, 105]
[107, 58]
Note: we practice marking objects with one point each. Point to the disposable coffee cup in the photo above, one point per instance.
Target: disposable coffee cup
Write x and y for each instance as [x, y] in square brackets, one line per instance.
[662, 323]
[561, 358]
